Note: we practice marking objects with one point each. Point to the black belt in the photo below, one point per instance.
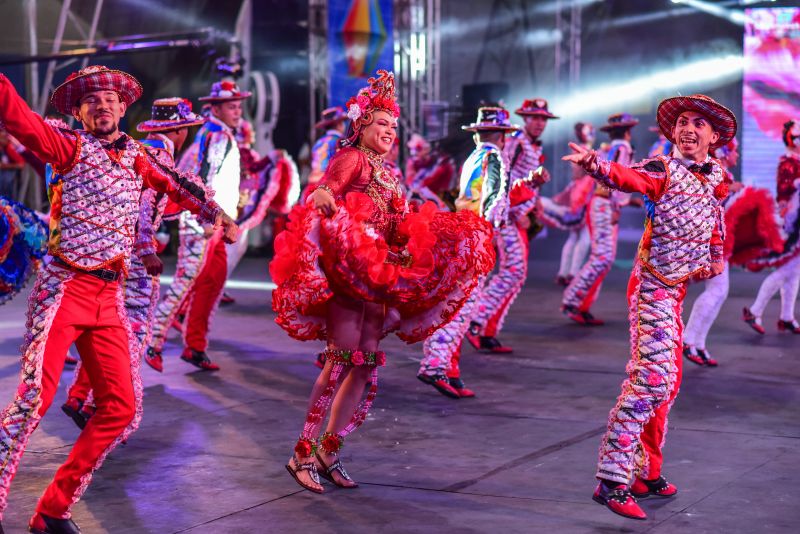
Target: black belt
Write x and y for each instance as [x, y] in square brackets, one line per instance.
[107, 275]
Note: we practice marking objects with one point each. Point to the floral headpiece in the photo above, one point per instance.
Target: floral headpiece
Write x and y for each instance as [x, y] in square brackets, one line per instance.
[378, 95]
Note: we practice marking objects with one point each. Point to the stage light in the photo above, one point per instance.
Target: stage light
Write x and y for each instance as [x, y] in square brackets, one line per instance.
[540, 38]
[696, 75]
[733, 15]
[233, 284]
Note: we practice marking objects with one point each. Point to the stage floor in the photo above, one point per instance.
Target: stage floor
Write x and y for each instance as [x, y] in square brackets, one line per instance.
[210, 453]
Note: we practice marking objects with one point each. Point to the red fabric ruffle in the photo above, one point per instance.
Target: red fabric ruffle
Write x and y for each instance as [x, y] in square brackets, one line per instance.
[316, 257]
[751, 227]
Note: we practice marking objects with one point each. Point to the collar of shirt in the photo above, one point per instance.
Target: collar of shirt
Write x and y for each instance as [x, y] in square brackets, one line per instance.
[686, 161]
[214, 120]
[624, 142]
[334, 133]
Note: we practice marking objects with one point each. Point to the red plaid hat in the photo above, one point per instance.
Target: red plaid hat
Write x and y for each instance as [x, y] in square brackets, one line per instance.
[535, 106]
[95, 78]
[721, 118]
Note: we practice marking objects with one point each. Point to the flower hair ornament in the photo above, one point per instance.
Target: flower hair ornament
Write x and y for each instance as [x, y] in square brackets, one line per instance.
[379, 95]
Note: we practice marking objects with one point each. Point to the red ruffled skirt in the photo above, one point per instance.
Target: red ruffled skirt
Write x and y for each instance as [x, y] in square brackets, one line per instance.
[317, 257]
[752, 226]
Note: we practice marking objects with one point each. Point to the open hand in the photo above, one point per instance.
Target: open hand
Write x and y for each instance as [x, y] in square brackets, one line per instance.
[582, 156]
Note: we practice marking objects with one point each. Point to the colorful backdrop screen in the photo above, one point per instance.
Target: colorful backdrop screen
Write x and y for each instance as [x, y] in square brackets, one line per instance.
[359, 42]
[771, 91]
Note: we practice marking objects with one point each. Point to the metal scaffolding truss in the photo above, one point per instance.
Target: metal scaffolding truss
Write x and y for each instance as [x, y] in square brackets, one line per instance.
[317, 60]
[508, 23]
[568, 48]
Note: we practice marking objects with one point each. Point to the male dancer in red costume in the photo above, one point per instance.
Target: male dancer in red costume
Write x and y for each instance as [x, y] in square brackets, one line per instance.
[523, 154]
[601, 217]
[682, 241]
[166, 132]
[77, 297]
[202, 266]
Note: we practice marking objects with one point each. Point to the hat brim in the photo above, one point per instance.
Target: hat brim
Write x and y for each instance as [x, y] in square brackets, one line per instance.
[609, 127]
[330, 122]
[721, 118]
[486, 128]
[164, 126]
[218, 99]
[546, 114]
[66, 95]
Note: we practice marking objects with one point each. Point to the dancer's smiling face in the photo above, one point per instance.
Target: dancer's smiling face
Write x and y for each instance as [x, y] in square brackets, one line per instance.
[379, 135]
[100, 113]
[693, 135]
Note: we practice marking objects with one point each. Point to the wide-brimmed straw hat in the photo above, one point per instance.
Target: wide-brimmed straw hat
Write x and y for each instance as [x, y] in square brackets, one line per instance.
[535, 107]
[225, 91]
[619, 120]
[721, 118]
[170, 114]
[491, 118]
[95, 78]
[331, 117]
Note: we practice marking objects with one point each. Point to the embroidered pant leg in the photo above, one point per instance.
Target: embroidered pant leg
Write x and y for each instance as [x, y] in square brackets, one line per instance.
[584, 288]
[237, 250]
[42, 363]
[442, 345]
[637, 423]
[507, 282]
[706, 309]
[109, 353]
[495, 322]
[581, 250]
[191, 256]
[206, 294]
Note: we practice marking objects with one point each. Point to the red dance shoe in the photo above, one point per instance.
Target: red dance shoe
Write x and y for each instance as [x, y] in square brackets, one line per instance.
[591, 320]
[573, 313]
[463, 391]
[752, 320]
[69, 359]
[441, 383]
[199, 359]
[619, 500]
[492, 345]
[562, 281]
[226, 299]
[659, 487]
[73, 410]
[44, 524]
[320, 360]
[154, 359]
[699, 356]
[789, 326]
[473, 335]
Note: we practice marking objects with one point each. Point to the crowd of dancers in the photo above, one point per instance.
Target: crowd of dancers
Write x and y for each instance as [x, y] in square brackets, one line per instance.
[363, 250]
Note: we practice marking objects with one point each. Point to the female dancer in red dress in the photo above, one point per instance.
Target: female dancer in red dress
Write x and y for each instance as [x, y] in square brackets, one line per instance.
[354, 264]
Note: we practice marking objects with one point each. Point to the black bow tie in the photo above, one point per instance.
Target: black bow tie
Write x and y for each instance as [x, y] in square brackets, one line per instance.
[120, 144]
[704, 169]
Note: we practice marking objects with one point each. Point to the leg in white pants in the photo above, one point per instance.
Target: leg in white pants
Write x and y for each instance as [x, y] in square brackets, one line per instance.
[581, 251]
[705, 309]
[568, 253]
[784, 279]
[236, 251]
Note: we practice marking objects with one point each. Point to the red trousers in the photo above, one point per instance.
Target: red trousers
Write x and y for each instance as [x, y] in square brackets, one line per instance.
[67, 308]
[205, 295]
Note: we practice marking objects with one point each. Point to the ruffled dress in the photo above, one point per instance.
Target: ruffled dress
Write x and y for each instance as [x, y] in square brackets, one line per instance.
[422, 265]
[23, 244]
[790, 215]
[752, 227]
